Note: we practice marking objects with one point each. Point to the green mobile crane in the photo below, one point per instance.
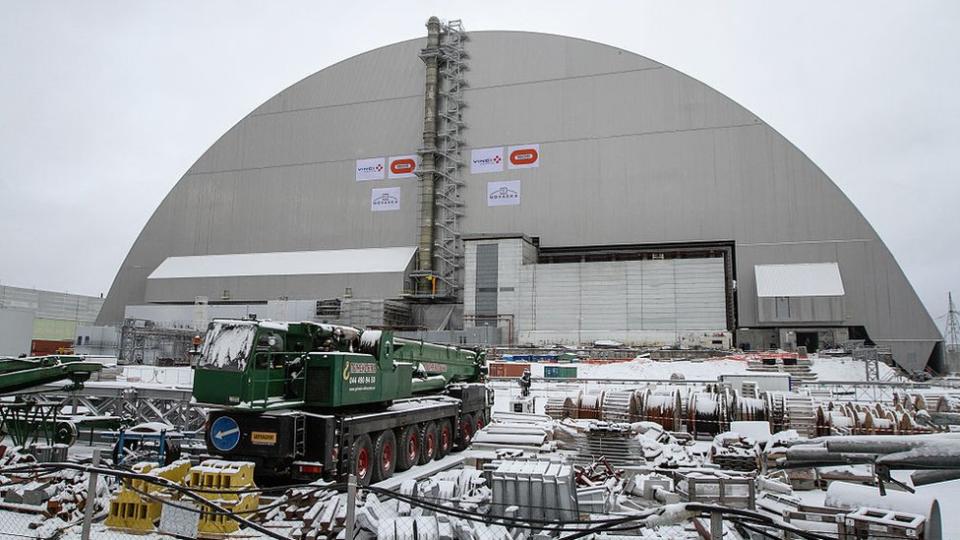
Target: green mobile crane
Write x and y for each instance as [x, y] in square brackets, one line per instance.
[309, 400]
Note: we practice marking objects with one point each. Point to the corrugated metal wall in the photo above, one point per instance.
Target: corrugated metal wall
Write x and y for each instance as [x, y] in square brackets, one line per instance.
[800, 310]
[51, 305]
[648, 301]
[487, 280]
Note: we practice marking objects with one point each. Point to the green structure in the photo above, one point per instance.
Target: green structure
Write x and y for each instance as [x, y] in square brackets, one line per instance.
[25, 420]
[266, 365]
[22, 373]
[310, 399]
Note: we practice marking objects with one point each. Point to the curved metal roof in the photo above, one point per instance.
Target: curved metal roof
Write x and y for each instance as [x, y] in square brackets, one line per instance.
[631, 151]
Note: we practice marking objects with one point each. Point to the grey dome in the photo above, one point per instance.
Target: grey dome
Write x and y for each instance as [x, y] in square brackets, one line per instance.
[633, 152]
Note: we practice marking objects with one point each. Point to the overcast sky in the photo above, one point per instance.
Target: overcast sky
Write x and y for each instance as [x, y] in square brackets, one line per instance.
[104, 105]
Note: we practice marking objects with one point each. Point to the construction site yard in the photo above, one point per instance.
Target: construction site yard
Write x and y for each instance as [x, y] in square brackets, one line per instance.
[628, 449]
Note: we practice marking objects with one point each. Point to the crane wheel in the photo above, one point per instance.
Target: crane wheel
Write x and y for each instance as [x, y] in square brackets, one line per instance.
[428, 443]
[65, 433]
[361, 459]
[444, 438]
[384, 456]
[409, 446]
[467, 427]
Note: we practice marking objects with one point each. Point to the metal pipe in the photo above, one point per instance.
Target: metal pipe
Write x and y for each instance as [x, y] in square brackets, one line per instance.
[350, 522]
[429, 384]
[923, 478]
[91, 496]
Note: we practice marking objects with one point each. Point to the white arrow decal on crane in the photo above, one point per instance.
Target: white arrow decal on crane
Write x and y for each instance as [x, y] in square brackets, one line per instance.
[222, 434]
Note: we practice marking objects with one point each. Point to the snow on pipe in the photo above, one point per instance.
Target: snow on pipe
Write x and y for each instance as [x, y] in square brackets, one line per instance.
[880, 444]
[710, 410]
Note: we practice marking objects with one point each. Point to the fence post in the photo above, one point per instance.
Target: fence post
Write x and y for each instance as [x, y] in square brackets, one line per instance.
[351, 506]
[716, 526]
[91, 497]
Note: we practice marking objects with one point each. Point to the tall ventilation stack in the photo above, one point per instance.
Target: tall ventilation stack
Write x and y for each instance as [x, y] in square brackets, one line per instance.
[440, 256]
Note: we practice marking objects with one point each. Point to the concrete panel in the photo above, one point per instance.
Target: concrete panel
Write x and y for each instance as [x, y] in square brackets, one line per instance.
[16, 332]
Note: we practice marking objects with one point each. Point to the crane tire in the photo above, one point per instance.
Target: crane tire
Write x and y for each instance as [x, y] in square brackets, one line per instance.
[384, 456]
[361, 459]
[466, 431]
[445, 437]
[428, 443]
[409, 447]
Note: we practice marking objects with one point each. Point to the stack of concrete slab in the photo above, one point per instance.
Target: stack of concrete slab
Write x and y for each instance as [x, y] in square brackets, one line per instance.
[541, 490]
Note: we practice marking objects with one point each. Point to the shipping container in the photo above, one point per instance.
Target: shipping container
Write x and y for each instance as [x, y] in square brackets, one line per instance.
[559, 372]
[43, 347]
[510, 370]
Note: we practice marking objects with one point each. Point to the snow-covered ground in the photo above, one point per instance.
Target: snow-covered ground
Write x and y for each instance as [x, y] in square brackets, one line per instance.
[827, 369]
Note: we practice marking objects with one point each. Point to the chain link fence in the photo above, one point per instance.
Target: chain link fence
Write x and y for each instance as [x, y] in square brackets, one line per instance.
[69, 501]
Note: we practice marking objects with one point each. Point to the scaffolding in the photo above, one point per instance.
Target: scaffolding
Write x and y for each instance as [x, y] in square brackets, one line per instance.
[441, 273]
[145, 342]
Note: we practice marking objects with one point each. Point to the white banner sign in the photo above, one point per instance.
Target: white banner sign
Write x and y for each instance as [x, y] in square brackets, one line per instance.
[523, 157]
[402, 166]
[370, 169]
[384, 199]
[486, 160]
[503, 193]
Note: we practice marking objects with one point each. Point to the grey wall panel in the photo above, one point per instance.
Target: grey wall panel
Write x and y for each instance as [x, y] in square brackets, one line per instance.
[487, 280]
[16, 332]
[515, 62]
[631, 152]
[258, 288]
[381, 74]
[603, 304]
[557, 297]
[801, 310]
[51, 304]
[659, 308]
[700, 300]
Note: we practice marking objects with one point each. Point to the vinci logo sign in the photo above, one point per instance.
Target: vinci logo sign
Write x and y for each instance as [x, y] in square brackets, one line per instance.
[370, 169]
[503, 193]
[486, 160]
[523, 157]
[385, 199]
[402, 166]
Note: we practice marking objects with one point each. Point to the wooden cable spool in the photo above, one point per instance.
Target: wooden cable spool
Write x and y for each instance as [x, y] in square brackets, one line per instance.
[824, 427]
[591, 406]
[776, 407]
[662, 407]
[621, 406]
[750, 409]
[555, 407]
[705, 414]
